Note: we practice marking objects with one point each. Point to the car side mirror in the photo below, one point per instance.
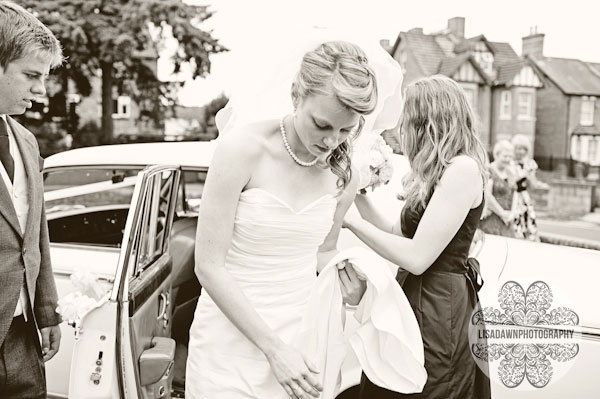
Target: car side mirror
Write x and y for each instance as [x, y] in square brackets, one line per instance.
[156, 362]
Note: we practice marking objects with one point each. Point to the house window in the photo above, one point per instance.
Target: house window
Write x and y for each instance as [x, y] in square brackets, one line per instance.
[505, 105]
[525, 106]
[592, 150]
[576, 148]
[122, 107]
[587, 111]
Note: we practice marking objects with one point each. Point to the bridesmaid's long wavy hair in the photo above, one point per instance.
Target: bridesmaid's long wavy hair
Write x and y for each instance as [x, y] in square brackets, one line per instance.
[438, 124]
[339, 68]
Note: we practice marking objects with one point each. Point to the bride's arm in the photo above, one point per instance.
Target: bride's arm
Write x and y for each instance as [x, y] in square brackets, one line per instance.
[328, 249]
[351, 286]
[450, 203]
[229, 172]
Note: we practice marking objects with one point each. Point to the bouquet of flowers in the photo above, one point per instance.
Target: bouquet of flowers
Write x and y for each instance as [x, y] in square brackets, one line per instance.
[86, 296]
[375, 164]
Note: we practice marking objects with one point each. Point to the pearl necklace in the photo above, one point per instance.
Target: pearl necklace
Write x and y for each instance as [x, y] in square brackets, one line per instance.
[289, 149]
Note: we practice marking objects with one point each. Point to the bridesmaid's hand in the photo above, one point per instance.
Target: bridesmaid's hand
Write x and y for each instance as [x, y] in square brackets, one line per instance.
[353, 287]
[296, 374]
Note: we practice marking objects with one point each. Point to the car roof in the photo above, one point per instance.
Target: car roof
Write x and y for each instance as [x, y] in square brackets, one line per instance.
[186, 153]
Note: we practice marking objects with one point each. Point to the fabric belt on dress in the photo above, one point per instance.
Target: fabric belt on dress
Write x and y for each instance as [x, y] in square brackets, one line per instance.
[472, 274]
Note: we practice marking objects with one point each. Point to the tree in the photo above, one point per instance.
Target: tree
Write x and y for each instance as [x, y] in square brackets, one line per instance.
[113, 35]
[210, 111]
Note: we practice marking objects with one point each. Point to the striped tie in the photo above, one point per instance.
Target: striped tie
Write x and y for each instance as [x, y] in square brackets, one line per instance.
[5, 157]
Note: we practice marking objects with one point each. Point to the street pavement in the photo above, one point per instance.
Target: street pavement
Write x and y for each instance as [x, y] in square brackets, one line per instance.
[572, 228]
[586, 228]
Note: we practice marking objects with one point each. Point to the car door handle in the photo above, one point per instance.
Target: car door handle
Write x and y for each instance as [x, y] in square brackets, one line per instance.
[163, 300]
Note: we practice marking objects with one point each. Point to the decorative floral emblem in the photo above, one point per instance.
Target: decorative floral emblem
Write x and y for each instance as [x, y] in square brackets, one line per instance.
[531, 309]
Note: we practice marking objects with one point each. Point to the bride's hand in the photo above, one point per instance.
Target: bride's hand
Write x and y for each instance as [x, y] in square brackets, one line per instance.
[353, 287]
[296, 374]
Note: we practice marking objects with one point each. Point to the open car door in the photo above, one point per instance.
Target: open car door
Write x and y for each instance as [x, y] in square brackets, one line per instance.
[123, 347]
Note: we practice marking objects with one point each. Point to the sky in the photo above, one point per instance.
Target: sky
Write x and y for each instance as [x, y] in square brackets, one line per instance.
[247, 27]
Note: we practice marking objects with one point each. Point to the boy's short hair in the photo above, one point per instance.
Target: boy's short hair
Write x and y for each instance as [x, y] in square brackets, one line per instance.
[21, 34]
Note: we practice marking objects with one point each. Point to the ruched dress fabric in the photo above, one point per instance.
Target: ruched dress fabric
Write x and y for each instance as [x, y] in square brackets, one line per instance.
[273, 258]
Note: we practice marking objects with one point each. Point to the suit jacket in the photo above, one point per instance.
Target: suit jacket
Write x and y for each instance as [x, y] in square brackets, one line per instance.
[25, 255]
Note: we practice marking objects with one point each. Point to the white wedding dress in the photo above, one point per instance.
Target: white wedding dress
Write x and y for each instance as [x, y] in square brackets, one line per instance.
[273, 258]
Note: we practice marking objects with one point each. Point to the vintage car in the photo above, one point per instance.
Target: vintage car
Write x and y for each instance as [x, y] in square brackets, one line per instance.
[126, 215]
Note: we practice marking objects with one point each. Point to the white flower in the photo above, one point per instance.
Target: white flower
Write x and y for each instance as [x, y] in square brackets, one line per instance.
[386, 173]
[376, 160]
[74, 305]
[87, 284]
[374, 163]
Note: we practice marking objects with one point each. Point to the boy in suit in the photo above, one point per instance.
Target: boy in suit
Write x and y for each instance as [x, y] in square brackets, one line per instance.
[28, 300]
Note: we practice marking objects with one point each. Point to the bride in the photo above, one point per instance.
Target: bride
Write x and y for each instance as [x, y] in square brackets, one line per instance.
[272, 209]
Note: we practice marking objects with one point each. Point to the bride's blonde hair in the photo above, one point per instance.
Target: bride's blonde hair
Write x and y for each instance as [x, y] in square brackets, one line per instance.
[438, 124]
[339, 68]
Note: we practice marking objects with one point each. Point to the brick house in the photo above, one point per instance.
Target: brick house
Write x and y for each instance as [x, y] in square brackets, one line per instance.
[500, 85]
[567, 106]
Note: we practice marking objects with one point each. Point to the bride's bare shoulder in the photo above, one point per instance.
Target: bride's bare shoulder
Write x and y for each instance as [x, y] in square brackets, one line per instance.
[247, 142]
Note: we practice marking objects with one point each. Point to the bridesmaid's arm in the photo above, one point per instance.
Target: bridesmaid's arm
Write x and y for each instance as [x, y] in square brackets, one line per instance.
[456, 193]
[230, 171]
[372, 215]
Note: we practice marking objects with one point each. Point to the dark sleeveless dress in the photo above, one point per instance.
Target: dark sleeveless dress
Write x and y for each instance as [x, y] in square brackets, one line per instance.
[443, 298]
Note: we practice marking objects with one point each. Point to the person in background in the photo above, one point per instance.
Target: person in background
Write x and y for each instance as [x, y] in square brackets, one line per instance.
[525, 168]
[499, 216]
[28, 299]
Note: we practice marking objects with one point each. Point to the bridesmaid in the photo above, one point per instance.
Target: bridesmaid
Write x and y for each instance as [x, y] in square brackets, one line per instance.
[431, 239]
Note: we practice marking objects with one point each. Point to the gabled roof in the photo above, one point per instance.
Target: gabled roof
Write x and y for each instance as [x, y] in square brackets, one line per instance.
[503, 54]
[425, 48]
[440, 53]
[468, 44]
[595, 67]
[573, 77]
[450, 65]
[507, 72]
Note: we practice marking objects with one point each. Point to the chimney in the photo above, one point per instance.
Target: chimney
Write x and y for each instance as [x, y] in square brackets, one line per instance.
[416, 30]
[533, 45]
[456, 26]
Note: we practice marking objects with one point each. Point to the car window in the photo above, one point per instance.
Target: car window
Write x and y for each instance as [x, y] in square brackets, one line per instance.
[151, 236]
[79, 188]
[88, 206]
[192, 184]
